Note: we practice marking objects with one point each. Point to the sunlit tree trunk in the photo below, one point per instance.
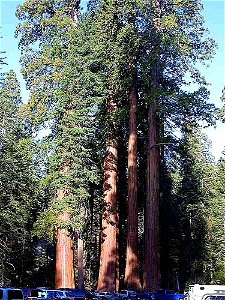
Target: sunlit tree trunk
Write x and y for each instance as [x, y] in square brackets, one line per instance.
[132, 279]
[64, 272]
[108, 272]
[80, 262]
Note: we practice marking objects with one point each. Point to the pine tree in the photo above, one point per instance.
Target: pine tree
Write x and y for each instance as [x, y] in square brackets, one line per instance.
[195, 203]
[214, 187]
[2, 62]
[18, 195]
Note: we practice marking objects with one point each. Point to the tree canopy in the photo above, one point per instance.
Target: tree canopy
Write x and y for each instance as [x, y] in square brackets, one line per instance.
[125, 167]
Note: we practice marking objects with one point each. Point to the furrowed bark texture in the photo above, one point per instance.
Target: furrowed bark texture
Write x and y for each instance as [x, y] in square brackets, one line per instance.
[151, 227]
[80, 263]
[151, 280]
[64, 272]
[108, 271]
[132, 279]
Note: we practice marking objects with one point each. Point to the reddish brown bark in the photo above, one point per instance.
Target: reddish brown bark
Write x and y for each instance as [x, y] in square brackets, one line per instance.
[151, 227]
[64, 272]
[132, 279]
[80, 263]
[151, 280]
[108, 271]
[64, 268]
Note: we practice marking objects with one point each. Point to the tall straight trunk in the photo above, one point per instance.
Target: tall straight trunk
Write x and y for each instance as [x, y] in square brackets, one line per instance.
[151, 225]
[132, 279]
[152, 277]
[80, 262]
[64, 268]
[64, 272]
[108, 271]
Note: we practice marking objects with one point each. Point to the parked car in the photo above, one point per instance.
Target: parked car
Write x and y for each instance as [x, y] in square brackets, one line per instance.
[11, 294]
[37, 293]
[78, 294]
[206, 292]
[59, 294]
[105, 296]
[128, 294]
[43, 294]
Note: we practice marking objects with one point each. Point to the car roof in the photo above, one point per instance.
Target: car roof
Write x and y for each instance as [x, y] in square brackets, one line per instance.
[10, 288]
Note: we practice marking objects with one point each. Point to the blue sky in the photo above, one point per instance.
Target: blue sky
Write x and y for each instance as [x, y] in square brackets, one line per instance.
[214, 13]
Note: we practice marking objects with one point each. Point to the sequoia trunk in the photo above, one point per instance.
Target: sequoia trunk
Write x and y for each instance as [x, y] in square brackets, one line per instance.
[151, 226]
[80, 262]
[108, 272]
[64, 272]
[64, 269]
[132, 279]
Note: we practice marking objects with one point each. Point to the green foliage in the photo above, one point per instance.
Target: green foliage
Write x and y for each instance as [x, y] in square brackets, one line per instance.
[56, 68]
[219, 273]
[17, 200]
[194, 214]
[70, 70]
[2, 62]
[44, 41]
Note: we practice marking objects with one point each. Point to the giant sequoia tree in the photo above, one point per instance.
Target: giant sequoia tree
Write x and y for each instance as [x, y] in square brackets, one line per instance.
[117, 33]
[108, 26]
[132, 279]
[152, 43]
[173, 50]
[44, 44]
[121, 69]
